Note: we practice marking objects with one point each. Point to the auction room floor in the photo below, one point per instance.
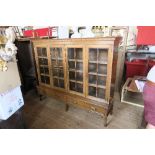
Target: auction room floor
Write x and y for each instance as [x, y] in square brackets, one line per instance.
[50, 114]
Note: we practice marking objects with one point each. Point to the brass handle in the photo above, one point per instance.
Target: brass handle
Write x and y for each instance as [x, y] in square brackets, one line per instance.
[93, 108]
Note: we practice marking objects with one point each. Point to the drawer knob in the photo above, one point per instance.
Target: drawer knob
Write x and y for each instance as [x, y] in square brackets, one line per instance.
[93, 108]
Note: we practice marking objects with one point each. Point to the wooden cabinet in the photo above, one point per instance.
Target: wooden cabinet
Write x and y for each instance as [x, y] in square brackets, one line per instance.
[77, 71]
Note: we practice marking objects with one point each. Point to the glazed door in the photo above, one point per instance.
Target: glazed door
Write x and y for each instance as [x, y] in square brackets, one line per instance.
[98, 74]
[41, 56]
[58, 74]
[75, 69]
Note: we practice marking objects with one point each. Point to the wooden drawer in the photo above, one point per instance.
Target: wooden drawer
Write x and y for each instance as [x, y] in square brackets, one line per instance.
[71, 100]
[86, 105]
[60, 97]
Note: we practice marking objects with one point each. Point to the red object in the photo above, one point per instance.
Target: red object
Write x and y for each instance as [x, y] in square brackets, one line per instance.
[38, 32]
[151, 64]
[146, 35]
[28, 33]
[136, 68]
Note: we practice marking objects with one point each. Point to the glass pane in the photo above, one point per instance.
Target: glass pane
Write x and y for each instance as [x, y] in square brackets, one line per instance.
[53, 53]
[79, 87]
[72, 86]
[92, 67]
[43, 61]
[44, 70]
[61, 73]
[39, 51]
[92, 91]
[100, 93]
[103, 55]
[79, 76]
[72, 75]
[78, 53]
[60, 63]
[55, 72]
[92, 54]
[102, 69]
[59, 50]
[61, 83]
[41, 70]
[70, 53]
[72, 65]
[55, 81]
[54, 63]
[44, 52]
[101, 80]
[92, 79]
[47, 79]
[43, 79]
[79, 66]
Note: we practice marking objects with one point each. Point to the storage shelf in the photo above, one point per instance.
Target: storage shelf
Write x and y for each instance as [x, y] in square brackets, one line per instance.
[98, 86]
[75, 70]
[43, 66]
[76, 81]
[57, 77]
[44, 74]
[77, 60]
[45, 57]
[99, 62]
[92, 73]
[57, 58]
[57, 67]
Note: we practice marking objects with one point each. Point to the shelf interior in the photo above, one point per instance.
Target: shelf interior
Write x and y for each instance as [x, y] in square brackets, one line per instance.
[97, 72]
[75, 68]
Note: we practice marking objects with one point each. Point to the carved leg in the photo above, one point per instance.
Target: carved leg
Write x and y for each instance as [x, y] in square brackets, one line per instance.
[40, 96]
[66, 107]
[111, 107]
[111, 111]
[105, 120]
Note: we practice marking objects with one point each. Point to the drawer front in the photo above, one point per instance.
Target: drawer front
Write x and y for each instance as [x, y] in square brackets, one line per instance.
[72, 100]
[86, 105]
[60, 97]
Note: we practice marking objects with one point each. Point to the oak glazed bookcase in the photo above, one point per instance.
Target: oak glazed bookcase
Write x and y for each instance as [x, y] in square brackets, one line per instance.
[77, 71]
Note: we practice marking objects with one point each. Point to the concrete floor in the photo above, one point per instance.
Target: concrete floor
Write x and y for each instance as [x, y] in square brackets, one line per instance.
[51, 114]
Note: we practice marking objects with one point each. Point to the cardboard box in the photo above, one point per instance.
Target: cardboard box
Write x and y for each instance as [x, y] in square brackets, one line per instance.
[9, 79]
[10, 102]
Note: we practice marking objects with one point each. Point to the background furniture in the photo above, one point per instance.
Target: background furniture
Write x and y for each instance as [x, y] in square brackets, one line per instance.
[120, 31]
[26, 64]
[77, 71]
[130, 93]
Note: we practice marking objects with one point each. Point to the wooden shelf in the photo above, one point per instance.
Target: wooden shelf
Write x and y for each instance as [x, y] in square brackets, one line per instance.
[92, 73]
[43, 66]
[58, 67]
[77, 60]
[75, 70]
[97, 86]
[57, 77]
[42, 57]
[99, 62]
[57, 58]
[76, 81]
[44, 74]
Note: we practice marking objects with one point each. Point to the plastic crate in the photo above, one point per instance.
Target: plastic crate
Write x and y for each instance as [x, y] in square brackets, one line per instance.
[136, 68]
[44, 32]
